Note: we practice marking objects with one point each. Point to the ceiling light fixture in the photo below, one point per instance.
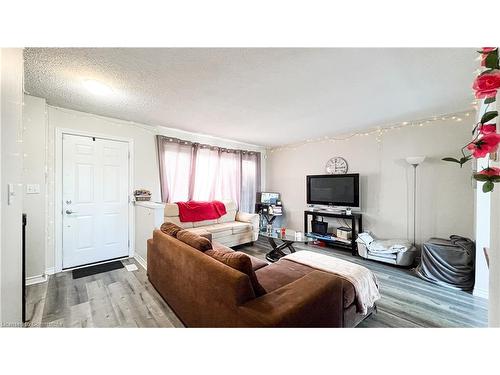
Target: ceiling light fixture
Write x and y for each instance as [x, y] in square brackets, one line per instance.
[97, 87]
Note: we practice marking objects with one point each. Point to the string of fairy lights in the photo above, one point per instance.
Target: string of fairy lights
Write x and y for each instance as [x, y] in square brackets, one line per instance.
[379, 131]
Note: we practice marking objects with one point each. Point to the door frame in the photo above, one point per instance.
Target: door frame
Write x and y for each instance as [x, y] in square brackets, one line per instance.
[58, 182]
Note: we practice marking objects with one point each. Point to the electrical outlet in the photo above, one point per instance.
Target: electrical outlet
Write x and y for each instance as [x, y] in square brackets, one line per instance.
[32, 188]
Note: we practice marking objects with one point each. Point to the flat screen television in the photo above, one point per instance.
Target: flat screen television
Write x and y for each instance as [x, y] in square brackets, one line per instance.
[333, 190]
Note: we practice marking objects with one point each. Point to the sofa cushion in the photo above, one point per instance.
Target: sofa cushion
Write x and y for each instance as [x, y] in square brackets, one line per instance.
[256, 262]
[194, 240]
[170, 228]
[230, 205]
[175, 220]
[171, 209]
[285, 271]
[221, 235]
[204, 223]
[230, 212]
[236, 239]
[229, 216]
[239, 227]
[220, 230]
[239, 261]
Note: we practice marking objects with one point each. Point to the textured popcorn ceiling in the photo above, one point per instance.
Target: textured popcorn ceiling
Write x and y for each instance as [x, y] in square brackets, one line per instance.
[261, 96]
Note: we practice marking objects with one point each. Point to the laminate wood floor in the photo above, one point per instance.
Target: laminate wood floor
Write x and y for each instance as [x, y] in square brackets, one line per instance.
[117, 298]
[122, 298]
[407, 300]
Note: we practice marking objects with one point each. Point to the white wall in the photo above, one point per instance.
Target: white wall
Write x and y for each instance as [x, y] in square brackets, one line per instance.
[34, 172]
[11, 91]
[146, 173]
[445, 194]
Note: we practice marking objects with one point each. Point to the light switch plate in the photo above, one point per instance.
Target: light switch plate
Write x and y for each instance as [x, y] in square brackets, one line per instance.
[10, 193]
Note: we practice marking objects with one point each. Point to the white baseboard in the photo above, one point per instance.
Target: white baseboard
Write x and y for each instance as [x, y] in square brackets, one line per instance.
[32, 280]
[141, 261]
[479, 292]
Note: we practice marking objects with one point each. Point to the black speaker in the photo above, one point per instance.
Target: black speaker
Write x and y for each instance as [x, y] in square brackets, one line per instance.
[319, 227]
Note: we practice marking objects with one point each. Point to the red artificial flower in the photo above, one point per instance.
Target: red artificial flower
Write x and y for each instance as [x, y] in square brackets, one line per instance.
[486, 144]
[487, 129]
[486, 85]
[490, 176]
[490, 171]
[488, 49]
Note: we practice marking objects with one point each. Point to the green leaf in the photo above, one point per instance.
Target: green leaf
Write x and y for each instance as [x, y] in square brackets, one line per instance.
[453, 160]
[480, 177]
[489, 100]
[495, 178]
[491, 60]
[488, 186]
[464, 160]
[490, 115]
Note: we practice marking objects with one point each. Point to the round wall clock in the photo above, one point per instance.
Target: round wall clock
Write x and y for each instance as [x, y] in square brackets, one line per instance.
[336, 165]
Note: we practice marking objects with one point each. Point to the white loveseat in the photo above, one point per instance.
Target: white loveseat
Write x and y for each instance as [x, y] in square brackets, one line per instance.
[232, 229]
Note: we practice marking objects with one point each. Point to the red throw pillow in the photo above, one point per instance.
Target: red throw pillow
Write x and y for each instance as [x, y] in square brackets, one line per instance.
[241, 262]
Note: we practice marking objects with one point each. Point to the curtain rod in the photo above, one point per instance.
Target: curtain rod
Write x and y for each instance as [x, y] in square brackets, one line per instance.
[204, 145]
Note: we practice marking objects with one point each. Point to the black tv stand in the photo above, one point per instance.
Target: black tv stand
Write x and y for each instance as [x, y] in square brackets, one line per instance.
[356, 227]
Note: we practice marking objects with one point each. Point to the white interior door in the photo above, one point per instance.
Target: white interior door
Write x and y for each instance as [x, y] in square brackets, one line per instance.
[95, 200]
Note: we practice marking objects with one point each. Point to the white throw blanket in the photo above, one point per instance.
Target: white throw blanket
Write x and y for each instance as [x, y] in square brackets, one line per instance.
[364, 281]
[389, 246]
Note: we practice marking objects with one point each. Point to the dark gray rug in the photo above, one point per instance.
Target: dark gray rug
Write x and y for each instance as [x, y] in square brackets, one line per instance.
[92, 270]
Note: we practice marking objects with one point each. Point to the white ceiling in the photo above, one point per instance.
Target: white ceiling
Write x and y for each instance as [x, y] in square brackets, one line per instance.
[261, 96]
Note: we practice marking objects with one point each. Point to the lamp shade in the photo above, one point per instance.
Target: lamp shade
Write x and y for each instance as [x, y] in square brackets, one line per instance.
[415, 160]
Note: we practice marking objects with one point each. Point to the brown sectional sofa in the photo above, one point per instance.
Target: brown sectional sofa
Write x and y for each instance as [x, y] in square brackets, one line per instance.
[285, 271]
[205, 292]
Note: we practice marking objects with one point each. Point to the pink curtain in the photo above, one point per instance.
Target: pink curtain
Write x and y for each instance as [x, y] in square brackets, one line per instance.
[175, 158]
[206, 177]
[218, 174]
[250, 180]
[193, 171]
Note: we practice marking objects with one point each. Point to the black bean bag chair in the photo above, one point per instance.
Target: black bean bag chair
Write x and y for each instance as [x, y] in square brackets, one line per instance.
[448, 262]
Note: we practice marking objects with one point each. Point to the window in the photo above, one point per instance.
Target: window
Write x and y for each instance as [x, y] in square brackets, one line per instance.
[192, 171]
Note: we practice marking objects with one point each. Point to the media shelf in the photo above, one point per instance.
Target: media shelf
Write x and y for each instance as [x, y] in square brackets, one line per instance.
[356, 227]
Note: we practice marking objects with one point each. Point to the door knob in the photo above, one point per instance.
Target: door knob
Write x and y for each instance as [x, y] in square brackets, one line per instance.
[69, 212]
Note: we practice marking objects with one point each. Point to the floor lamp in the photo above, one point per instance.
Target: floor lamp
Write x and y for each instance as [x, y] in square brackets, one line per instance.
[415, 161]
